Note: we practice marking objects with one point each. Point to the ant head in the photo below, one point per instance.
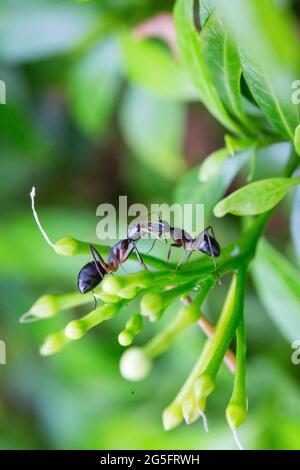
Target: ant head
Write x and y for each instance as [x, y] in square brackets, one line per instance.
[209, 245]
[134, 232]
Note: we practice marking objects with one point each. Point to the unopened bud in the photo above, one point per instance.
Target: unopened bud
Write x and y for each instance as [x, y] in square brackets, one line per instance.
[151, 306]
[236, 414]
[134, 364]
[190, 410]
[132, 328]
[189, 314]
[45, 307]
[172, 416]
[53, 343]
[128, 292]
[112, 284]
[203, 387]
[78, 328]
[68, 246]
[125, 338]
[75, 329]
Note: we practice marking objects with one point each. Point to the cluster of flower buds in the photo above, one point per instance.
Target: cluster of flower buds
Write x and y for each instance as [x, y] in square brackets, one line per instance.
[157, 290]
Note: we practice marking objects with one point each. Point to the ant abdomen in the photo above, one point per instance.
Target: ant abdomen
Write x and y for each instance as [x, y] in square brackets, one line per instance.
[90, 276]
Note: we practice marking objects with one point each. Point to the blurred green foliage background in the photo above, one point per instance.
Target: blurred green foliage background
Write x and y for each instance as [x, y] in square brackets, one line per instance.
[92, 114]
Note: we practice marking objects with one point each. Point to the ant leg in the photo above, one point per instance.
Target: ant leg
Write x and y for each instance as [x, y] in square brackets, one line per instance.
[95, 300]
[211, 229]
[189, 255]
[139, 256]
[157, 238]
[212, 254]
[152, 246]
[100, 260]
[180, 262]
[169, 254]
[210, 249]
[115, 258]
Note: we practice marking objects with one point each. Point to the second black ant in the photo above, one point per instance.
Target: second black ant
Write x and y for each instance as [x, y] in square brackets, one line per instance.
[93, 272]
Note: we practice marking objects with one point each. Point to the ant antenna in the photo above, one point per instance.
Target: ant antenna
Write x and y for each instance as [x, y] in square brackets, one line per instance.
[32, 196]
[212, 253]
[96, 297]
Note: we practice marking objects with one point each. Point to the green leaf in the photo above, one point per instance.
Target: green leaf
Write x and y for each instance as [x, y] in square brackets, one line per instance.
[215, 160]
[212, 164]
[153, 129]
[206, 9]
[151, 65]
[190, 190]
[94, 83]
[297, 140]
[192, 55]
[255, 198]
[32, 33]
[269, 55]
[295, 220]
[277, 283]
[224, 66]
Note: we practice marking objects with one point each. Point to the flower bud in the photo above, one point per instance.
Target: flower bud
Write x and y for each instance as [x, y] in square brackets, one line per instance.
[132, 328]
[112, 284]
[236, 414]
[134, 364]
[189, 314]
[135, 323]
[53, 343]
[190, 410]
[172, 416]
[203, 387]
[125, 338]
[75, 329]
[151, 306]
[69, 246]
[108, 298]
[45, 307]
[78, 328]
[128, 292]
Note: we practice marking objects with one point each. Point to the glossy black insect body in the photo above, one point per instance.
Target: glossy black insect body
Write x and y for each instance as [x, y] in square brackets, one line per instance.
[90, 276]
[92, 273]
[209, 245]
[205, 242]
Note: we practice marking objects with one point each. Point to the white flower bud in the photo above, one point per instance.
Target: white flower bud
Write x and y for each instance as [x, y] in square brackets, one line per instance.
[134, 364]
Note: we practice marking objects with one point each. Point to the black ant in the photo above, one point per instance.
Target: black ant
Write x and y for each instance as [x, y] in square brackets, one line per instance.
[93, 272]
[205, 242]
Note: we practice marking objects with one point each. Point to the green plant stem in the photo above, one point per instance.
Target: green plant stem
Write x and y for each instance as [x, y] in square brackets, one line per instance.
[227, 324]
[69, 246]
[164, 338]
[239, 388]
[236, 411]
